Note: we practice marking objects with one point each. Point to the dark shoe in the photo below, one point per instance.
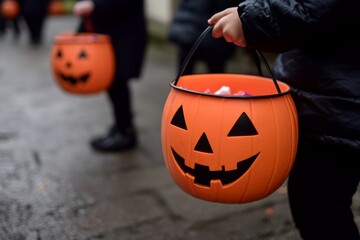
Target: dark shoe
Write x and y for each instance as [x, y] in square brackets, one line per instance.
[116, 140]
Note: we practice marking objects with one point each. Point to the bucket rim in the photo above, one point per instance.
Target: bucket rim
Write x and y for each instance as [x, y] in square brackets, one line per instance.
[172, 84]
[70, 38]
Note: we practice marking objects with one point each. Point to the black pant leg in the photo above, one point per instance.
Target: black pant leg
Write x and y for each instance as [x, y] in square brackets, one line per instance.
[320, 187]
[120, 98]
[2, 26]
[35, 25]
[35, 14]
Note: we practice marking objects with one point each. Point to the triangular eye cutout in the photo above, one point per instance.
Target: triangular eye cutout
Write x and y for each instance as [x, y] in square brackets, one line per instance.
[82, 54]
[203, 145]
[59, 54]
[179, 119]
[243, 127]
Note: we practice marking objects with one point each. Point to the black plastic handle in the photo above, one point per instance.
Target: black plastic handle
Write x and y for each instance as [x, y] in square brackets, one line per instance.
[197, 43]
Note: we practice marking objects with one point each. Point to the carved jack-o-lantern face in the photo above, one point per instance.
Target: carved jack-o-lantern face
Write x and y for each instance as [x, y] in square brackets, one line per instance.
[201, 173]
[228, 150]
[83, 64]
[82, 60]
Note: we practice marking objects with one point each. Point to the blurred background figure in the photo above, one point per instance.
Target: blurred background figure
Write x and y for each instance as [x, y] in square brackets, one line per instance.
[2, 25]
[189, 22]
[124, 21]
[9, 23]
[34, 13]
[13, 24]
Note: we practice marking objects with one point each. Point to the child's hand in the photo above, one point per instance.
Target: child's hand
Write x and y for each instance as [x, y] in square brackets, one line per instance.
[83, 8]
[227, 24]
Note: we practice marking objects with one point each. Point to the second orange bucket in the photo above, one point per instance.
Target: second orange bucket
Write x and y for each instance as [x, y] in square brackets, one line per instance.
[83, 63]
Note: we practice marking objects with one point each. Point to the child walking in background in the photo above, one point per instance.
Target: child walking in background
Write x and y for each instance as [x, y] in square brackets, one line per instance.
[124, 21]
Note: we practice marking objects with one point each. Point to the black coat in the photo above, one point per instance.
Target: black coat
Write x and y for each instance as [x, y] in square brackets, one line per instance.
[320, 60]
[190, 21]
[34, 9]
[124, 21]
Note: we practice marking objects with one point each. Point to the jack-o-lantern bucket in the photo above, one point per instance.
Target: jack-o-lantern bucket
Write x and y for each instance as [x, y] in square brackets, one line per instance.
[83, 63]
[10, 9]
[229, 148]
[56, 7]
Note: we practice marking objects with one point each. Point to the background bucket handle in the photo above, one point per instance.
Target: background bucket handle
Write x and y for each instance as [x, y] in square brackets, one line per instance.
[196, 44]
[88, 25]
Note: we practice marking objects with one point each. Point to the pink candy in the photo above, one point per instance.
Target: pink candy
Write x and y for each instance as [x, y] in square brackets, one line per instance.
[226, 91]
[241, 93]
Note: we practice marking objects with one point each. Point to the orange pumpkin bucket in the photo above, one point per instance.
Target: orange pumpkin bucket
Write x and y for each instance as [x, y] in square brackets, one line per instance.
[10, 9]
[229, 148]
[56, 7]
[83, 63]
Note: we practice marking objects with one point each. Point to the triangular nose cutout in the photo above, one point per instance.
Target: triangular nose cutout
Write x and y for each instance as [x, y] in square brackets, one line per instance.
[203, 145]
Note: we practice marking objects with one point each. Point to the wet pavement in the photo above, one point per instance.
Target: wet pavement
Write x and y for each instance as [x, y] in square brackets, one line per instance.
[54, 187]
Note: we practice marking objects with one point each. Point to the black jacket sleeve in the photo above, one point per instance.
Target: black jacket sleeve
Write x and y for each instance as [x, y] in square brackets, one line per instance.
[279, 25]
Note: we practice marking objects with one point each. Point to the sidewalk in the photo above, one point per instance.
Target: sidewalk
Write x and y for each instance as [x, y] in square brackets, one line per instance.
[54, 187]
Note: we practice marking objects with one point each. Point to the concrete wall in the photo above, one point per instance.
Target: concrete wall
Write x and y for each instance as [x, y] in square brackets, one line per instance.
[160, 11]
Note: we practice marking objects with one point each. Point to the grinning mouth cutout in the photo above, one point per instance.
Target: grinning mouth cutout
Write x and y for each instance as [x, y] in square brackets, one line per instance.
[74, 81]
[203, 175]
